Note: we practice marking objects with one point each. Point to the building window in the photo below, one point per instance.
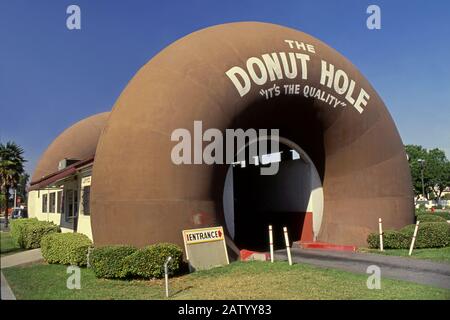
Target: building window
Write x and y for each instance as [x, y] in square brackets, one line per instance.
[44, 203]
[86, 200]
[60, 205]
[52, 204]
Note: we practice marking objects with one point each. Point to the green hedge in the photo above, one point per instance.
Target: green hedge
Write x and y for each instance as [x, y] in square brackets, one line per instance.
[429, 235]
[108, 261]
[391, 240]
[430, 218]
[148, 262]
[29, 232]
[443, 214]
[66, 248]
[421, 210]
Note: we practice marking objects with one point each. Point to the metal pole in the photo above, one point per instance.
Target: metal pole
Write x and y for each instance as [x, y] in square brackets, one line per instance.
[414, 237]
[271, 243]
[288, 247]
[166, 275]
[15, 198]
[380, 229]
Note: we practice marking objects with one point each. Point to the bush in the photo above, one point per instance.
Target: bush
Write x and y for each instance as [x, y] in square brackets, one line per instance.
[421, 210]
[29, 232]
[108, 261]
[66, 248]
[148, 262]
[391, 240]
[443, 214]
[429, 235]
[430, 218]
[16, 227]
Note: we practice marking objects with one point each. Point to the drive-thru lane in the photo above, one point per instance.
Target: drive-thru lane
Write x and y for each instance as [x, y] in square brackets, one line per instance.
[409, 269]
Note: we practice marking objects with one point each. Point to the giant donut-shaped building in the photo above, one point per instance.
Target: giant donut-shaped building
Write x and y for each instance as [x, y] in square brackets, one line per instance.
[249, 75]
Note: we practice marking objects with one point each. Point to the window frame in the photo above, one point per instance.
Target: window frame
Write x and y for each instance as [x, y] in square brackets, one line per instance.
[60, 201]
[52, 202]
[86, 200]
[44, 204]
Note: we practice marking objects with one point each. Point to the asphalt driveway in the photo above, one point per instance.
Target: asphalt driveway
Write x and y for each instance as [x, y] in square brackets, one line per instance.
[409, 269]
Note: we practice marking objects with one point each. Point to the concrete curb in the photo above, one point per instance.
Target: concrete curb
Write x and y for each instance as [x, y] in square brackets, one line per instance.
[6, 292]
[12, 260]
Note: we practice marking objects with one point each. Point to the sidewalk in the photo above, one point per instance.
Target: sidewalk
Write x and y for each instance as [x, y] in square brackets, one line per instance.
[23, 257]
[12, 260]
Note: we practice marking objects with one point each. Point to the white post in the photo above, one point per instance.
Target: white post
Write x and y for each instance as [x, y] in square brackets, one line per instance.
[166, 275]
[288, 248]
[271, 243]
[380, 229]
[15, 198]
[414, 238]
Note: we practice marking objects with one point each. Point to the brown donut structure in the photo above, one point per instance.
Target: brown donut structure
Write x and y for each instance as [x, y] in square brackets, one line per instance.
[139, 196]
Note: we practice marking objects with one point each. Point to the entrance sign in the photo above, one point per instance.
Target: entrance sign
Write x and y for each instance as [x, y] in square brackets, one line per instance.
[205, 248]
[203, 235]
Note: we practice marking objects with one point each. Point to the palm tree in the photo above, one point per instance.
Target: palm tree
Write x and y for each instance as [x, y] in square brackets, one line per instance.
[11, 168]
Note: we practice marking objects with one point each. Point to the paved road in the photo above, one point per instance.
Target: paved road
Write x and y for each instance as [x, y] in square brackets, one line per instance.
[409, 269]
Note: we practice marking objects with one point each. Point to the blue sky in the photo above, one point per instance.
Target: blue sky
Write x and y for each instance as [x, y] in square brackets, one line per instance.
[51, 77]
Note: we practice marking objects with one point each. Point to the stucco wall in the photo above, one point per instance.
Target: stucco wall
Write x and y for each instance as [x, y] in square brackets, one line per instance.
[35, 207]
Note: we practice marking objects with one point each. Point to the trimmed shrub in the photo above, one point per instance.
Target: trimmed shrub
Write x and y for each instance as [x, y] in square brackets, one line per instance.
[391, 240]
[421, 210]
[430, 218]
[29, 232]
[16, 227]
[66, 248]
[372, 241]
[108, 261]
[148, 262]
[429, 235]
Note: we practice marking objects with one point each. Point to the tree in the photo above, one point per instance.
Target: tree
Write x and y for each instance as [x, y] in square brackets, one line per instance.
[436, 170]
[2, 202]
[22, 186]
[11, 168]
[439, 169]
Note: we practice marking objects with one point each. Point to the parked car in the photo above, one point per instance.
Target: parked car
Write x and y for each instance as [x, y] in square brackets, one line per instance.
[19, 213]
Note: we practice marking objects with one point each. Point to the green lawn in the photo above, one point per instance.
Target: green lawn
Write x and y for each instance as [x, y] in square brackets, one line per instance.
[435, 254]
[7, 244]
[239, 280]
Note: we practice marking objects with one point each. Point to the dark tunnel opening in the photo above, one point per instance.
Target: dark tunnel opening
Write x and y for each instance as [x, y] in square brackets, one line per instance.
[280, 200]
[257, 201]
